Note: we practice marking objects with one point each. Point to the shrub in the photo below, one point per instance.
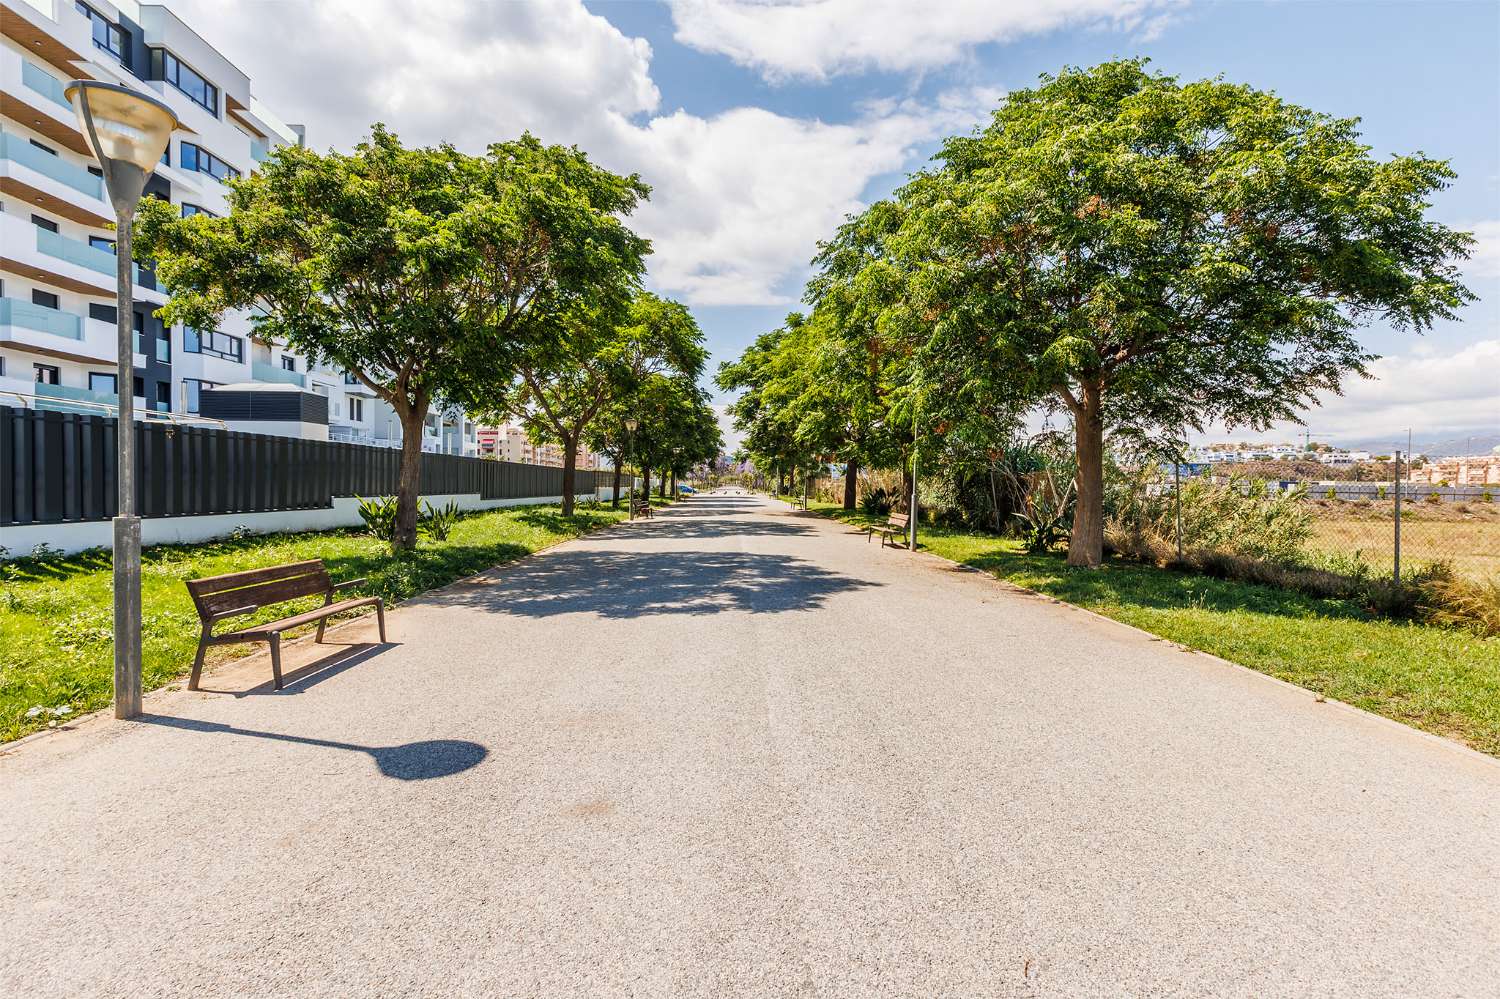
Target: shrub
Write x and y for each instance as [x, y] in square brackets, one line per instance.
[1487, 497]
[1380, 492]
[1433, 497]
[437, 522]
[1331, 493]
[876, 502]
[379, 515]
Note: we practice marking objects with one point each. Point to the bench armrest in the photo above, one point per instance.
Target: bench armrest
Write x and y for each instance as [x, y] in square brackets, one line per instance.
[236, 612]
[349, 583]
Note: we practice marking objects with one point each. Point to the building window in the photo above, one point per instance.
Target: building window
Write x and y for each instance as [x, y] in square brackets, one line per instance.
[107, 36]
[350, 378]
[99, 382]
[46, 374]
[192, 389]
[163, 397]
[188, 211]
[103, 313]
[45, 299]
[194, 157]
[42, 222]
[138, 388]
[356, 410]
[288, 362]
[196, 341]
[100, 243]
[187, 80]
[46, 149]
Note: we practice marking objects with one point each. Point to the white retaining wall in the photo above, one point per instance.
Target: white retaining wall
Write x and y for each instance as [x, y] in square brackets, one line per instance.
[77, 537]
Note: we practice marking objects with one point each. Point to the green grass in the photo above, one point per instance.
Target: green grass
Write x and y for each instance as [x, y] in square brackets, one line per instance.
[1438, 679]
[56, 646]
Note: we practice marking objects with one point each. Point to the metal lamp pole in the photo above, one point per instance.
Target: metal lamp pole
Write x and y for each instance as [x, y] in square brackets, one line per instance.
[128, 133]
[630, 426]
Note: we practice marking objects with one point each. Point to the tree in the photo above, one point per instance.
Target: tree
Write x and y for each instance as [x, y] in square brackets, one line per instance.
[601, 351]
[420, 271]
[1151, 256]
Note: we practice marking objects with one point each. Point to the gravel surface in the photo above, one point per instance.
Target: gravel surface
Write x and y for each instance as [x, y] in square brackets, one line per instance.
[737, 750]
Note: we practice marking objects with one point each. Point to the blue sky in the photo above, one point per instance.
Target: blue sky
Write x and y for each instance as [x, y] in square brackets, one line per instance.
[760, 123]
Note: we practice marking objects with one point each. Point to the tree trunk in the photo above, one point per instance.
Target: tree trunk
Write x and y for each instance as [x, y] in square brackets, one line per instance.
[570, 474]
[409, 479]
[674, 483]
[614, 497]
[645, 479]
[661, 484]
[851, 485]
[1086, 548]
[905, 502]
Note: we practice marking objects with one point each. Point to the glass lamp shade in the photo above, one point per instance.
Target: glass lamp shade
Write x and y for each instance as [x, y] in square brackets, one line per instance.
[130, 127]
[632, 424]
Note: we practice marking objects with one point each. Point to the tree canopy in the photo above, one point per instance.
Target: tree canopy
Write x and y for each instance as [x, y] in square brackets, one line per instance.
[1146, 256]
[422, 271]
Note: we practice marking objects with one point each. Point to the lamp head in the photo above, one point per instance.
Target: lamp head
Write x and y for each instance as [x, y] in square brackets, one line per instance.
[631, 424]
[127, 130]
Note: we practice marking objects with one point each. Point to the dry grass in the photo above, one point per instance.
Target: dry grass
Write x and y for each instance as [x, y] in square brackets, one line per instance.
[1464, 534]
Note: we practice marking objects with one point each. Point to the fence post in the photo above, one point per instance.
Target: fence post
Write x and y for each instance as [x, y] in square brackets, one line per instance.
[1397, 486]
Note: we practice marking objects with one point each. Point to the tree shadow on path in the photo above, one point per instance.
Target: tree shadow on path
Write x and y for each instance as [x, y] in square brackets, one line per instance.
[615, 584]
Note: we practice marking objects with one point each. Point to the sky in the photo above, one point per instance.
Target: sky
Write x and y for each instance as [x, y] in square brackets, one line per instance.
[761, 125]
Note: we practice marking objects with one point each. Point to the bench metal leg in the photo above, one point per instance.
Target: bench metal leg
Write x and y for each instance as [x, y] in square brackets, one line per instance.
[198, 661]
[322, 623]
[380, 618]
[276, 659]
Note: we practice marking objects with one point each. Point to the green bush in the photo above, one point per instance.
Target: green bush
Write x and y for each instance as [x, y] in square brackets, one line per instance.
[437, 522]
[379, 515]
[1332, 493]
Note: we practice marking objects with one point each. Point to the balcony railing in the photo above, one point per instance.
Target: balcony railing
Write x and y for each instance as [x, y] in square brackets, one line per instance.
[58, 398]
[44, 83]
[18, 150]
[19, 312]
[80, 253]
[263, 372]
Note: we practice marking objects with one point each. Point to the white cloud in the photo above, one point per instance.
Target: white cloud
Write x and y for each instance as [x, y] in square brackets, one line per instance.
[1485, 263]
[1432, 392]
[816, 39]
[740, 198]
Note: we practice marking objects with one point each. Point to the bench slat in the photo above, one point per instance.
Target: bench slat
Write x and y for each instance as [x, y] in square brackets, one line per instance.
[235, 580]
[296, 620]
[309, 579]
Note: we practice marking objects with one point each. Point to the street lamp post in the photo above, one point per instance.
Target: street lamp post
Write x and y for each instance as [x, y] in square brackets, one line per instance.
[128, 133]
[630, 425]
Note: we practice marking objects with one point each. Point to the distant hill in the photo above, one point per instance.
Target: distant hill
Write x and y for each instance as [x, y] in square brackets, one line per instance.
[1479, 442]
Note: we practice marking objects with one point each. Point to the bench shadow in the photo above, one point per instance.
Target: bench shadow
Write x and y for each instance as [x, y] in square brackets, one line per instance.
[624, 584]
[301, 678]
[423, 760]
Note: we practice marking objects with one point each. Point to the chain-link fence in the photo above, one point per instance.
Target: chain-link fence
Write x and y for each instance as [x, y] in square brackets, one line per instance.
[1398, 523]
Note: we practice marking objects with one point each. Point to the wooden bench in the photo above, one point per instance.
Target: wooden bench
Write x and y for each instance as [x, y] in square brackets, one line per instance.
[895, 525]
[641, 508]
[238, 593]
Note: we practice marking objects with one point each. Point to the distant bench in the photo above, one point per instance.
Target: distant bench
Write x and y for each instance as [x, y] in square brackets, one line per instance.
[895, 525]
[237, 593]
[641, 508]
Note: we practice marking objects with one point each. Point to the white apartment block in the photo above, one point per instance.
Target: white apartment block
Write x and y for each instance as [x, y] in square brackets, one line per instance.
[57, 267]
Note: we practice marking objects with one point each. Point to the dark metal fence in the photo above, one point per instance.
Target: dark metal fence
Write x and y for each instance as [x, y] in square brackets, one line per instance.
[60, 467]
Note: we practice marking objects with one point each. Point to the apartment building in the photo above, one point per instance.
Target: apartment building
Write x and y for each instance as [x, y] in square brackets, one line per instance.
[57, 266]
[509, 442]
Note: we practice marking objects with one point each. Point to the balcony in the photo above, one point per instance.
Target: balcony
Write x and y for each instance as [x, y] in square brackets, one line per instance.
[262, 371]
[44, 83]
[18, 150]
[82, 254]
[18, 312]
[67, 399]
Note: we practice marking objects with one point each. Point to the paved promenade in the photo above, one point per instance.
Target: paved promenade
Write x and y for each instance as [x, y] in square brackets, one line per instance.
[735, 751]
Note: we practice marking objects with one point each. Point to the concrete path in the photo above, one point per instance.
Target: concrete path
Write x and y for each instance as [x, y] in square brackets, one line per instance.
[741, 751]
